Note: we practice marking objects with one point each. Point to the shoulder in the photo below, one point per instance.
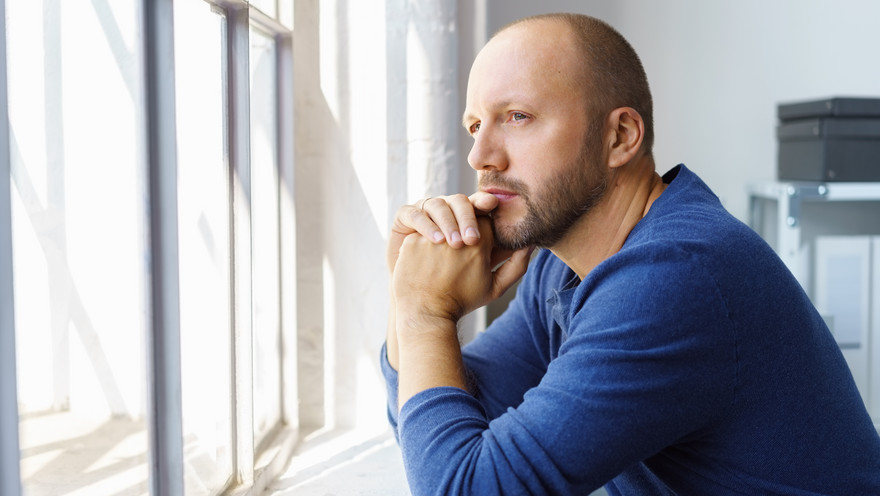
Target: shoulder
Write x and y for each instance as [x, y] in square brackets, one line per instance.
[689, 225]
[653, 282]
[675, 269]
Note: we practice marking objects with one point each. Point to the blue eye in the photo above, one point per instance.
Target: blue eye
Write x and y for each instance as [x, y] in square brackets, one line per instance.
[518, 116]
[474, 128]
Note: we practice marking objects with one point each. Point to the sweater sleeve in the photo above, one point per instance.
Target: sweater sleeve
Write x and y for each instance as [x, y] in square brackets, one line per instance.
[512, 355]
[647, 362]
[391, 383]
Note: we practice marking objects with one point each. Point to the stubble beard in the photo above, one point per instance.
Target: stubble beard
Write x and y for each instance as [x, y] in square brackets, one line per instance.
[554, 206]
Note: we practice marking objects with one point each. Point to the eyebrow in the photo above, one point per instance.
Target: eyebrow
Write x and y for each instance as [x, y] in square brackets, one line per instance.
[469, 116]
[466, 118]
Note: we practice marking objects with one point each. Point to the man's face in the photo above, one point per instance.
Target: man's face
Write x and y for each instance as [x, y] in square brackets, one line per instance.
[535, 148]
[552, 206]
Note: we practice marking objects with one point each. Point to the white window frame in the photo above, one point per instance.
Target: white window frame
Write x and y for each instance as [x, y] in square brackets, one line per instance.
[251, 472]
[163, 342]
[9, 448]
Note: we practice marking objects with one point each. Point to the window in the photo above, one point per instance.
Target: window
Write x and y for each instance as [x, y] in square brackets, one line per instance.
[266, 239]
[205, 234]
[94, 319]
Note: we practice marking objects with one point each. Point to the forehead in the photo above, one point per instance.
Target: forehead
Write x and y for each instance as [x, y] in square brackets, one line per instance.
[526, 61]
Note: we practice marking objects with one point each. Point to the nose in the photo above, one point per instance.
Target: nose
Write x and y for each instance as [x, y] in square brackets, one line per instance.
[487, 151]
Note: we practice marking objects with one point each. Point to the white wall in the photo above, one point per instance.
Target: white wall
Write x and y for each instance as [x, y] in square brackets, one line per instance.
[718, 69]
[376, 119]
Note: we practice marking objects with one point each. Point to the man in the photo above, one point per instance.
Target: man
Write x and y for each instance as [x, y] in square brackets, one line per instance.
[657, 346]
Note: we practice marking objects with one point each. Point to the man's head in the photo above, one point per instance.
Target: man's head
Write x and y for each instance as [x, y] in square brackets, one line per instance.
[543, 105]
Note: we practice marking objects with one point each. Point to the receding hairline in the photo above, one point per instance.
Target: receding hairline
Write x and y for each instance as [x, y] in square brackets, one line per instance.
[608, 60]
[562, 18]
[578, 60]
[566, 20]
[569, 23]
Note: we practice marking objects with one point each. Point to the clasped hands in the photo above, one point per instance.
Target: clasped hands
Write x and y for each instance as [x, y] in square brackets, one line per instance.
[443, 260]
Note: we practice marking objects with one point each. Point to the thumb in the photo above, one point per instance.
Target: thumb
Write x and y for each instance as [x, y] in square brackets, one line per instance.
[511, 270]
[483, 202]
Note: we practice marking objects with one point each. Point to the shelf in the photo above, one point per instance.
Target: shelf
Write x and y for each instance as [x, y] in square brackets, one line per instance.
[795, 192]
[790, 195]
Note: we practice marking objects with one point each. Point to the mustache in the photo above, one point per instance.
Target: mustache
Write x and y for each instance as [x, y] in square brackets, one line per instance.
[492, 179]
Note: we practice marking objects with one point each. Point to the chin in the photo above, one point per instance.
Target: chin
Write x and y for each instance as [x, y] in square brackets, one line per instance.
[509, 237]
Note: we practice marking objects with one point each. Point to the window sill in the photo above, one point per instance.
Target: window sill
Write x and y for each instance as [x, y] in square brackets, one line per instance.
[348, 462]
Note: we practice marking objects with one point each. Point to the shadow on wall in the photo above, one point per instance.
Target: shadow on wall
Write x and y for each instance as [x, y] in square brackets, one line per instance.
[342, 294]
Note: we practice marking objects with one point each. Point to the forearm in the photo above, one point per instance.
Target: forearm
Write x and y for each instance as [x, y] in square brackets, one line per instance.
[432, 287]
[429, 355]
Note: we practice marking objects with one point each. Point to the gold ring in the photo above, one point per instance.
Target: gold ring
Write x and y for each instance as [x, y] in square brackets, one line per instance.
[422, 203]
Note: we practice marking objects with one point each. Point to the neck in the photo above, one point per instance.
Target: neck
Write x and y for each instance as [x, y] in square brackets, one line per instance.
[601, 232]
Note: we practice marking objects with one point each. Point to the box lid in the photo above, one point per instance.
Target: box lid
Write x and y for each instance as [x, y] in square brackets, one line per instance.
[830, 107]
[859, 128]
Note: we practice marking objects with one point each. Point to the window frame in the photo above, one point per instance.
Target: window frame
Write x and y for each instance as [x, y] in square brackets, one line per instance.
[167, 460]
[253, 466]
[10, 475]
[165, 418]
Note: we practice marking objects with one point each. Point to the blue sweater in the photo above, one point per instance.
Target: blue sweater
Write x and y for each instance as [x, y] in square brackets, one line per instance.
[691, 362]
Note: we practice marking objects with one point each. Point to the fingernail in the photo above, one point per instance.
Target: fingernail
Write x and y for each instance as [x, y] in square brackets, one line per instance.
[438, 236]
[472, 233]
[455, 237]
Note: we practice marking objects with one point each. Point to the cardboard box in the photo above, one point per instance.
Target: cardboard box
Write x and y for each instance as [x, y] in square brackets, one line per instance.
[830, 107]
[836, 139]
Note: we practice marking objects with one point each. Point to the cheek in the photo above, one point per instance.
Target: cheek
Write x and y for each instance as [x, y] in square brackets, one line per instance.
[554, 152]
[543, 148]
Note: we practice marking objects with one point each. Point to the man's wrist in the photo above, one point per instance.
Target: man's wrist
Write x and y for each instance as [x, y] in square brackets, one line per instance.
[422, 322]
[427, 311]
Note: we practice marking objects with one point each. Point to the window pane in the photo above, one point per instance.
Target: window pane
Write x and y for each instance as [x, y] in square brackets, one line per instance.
[204, 234]
[266, 241]
[79, 240]
[267, 7]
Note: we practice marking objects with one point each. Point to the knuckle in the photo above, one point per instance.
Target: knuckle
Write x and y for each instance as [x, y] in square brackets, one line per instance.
[413, 215]
[408, 241]
[411, 242]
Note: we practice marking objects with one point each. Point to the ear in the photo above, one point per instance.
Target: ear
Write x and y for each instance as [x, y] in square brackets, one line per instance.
[626, 130]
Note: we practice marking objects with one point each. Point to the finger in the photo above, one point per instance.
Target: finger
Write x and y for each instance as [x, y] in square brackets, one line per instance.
[411, 219]
[466, 218]
[442, 214]
[483, 202]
